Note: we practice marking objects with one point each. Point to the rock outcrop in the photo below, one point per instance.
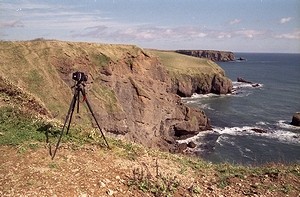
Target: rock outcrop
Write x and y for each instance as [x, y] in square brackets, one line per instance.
[186, 85]
[239, 79]
[296, 119]
[148, 113]
[217, 56]
[128, 89]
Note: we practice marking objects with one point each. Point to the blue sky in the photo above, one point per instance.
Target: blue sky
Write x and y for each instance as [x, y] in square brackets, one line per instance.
[234, 25]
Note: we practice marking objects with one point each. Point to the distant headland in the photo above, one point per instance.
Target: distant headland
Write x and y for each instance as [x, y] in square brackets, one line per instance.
[216, 56]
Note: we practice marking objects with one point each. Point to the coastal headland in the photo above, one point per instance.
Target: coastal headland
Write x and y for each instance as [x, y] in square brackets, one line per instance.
[135, 93]
[136, 96]
[217, 56]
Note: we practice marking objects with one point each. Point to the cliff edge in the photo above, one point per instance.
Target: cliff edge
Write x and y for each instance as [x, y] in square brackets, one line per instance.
[193, 75]
[134, 94]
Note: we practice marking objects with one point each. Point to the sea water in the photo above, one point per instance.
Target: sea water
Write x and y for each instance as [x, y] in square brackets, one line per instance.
[267, 108]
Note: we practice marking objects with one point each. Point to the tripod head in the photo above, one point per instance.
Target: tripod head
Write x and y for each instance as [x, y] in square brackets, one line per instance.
[80, 79]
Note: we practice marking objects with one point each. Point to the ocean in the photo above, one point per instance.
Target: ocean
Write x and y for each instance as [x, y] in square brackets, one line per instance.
[252, 125]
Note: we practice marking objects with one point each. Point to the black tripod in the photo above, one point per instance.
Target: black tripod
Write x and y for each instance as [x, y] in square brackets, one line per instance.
[79, 88]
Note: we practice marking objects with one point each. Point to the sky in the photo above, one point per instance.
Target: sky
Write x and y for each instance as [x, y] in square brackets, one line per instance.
[231, 25]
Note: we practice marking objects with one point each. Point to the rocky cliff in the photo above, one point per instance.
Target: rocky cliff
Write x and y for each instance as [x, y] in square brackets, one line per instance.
[129, 89]
[194, 75]
[217, 56]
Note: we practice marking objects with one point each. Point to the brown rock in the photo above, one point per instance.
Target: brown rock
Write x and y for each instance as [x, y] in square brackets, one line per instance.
[185, 86]
[259, 130]
[194, 122]
[181, 147]
[144, 111]
[240, 79]
[296, 119]
[191, 145]
[221, 85]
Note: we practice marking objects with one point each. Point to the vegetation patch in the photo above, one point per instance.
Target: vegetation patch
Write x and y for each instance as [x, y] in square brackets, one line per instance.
[16, 128]
[107, 97]
[158, 185]
[100, 59]
[179, 64]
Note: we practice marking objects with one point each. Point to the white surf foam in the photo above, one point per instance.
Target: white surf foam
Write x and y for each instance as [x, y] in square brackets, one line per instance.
[239, 89]
[262, 123]
[286, 125]
[244, 89]
[280, 135]
[195, 95]
[194, 138]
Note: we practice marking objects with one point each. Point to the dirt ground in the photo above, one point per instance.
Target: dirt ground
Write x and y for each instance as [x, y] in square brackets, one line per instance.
[94, 171]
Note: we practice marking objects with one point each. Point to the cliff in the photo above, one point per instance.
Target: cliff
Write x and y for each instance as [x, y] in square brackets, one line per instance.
[193, 75]
[134, 94]
[217, 56]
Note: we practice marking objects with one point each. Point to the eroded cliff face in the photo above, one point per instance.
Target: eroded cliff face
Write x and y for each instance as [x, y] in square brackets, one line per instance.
[217, 56]
[148, 113]
[128, 89]
[186, 85]
[193, 75]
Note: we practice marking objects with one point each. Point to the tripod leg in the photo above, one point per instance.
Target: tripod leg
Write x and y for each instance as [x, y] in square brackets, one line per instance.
[73, 108]
[90, 108]
[70, 111]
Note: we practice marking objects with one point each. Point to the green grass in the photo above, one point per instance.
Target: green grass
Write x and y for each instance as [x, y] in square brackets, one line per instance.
[17, 129]
[182, 64]
[100, 59]
[20, 130]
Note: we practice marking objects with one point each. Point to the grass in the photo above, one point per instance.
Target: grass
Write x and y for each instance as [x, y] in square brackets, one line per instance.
[158, 185]
[21, 130]
[107, 97]
[182, 64]
[43, 69]
[24, 132]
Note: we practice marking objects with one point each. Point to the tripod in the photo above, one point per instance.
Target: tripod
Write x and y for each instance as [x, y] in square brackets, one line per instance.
[79, 88]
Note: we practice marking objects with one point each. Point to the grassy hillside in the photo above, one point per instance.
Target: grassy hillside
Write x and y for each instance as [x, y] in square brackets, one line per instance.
[182, 64]
[42, 68]
[38, 67]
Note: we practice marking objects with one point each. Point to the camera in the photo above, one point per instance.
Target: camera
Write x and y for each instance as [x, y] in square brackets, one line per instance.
[79, 76]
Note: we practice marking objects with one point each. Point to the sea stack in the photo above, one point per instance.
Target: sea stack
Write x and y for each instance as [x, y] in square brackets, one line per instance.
[296, 119]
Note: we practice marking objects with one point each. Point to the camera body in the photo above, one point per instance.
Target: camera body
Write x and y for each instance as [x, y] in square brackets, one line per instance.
[79, 76]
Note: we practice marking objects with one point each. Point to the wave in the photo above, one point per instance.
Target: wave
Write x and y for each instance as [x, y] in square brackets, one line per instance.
[237, 85]
[244, 89]
[210, 95]
[286, 125]
[223, 133]
[246, 144]
[278, 134]
[239, 89]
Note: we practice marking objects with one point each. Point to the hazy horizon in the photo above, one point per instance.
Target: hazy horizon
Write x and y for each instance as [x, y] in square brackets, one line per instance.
[271, 26]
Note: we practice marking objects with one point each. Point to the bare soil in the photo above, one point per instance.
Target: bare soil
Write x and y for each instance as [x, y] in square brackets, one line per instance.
[90, 170]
